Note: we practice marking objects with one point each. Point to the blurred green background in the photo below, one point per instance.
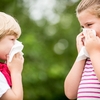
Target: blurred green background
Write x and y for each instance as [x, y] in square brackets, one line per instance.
[49, 29]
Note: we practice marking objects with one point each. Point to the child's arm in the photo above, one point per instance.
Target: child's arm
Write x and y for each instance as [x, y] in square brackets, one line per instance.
[73, 79]
[15, 67]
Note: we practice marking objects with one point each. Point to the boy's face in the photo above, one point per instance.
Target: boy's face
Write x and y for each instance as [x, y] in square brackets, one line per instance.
[6, 44]
[88, 20]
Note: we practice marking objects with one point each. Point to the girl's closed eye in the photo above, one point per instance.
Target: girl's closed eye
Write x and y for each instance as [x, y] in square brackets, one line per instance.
[89, 24]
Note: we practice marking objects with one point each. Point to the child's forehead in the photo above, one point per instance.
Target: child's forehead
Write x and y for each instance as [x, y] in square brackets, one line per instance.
[85, 16]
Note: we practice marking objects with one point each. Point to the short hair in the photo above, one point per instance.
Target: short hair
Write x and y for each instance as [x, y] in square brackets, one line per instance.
[9, 26]
[92, 5]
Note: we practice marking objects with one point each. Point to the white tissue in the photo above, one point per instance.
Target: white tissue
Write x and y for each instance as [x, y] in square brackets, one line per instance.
[86, 29]
[17, 47]
[83, 53]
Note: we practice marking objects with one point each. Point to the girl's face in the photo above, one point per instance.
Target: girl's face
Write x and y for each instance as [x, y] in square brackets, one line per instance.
[6, 44]
[88, 20]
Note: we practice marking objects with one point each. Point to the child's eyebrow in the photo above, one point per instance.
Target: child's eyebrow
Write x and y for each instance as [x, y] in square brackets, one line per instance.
[88, 22]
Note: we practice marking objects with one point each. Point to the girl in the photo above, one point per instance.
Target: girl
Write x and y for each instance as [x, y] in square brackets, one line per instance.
[10, 72]
[83, 80]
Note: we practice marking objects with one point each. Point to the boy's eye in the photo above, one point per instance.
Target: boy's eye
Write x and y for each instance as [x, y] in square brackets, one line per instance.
[13, 39]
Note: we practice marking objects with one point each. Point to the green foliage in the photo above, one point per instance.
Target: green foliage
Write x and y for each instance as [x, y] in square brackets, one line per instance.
[49, 48]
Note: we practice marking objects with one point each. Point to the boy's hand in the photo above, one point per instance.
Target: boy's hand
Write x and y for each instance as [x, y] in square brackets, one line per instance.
[16, 65]
[80, 41]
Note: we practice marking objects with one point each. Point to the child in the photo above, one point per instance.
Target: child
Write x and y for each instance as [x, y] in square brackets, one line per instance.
[83, 80]
[10, 72]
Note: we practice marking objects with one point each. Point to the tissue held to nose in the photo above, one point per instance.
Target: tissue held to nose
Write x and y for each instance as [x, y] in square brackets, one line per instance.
[83, 53]
[18, 47]
[85, 30]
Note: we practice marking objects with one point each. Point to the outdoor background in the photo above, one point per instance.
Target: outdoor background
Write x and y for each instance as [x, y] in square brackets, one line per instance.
[49, 30]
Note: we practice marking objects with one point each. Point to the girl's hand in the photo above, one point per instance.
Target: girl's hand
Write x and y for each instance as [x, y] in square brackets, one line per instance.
[16, 65]
[92, 43]
[80, 41]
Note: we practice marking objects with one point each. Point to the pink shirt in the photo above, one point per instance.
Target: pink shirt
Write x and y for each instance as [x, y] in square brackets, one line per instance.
[89, 87]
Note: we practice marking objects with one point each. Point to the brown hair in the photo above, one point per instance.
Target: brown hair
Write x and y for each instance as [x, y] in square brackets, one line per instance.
[93, 6]
[8, 26]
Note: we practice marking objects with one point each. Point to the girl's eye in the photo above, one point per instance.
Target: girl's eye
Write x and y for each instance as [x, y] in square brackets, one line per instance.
[89, 24]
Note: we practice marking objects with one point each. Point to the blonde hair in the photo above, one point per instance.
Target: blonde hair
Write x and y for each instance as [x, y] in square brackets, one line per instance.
[8, 26]
[93, 6]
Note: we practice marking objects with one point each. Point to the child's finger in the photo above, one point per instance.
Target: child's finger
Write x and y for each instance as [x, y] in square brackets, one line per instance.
[19, 55]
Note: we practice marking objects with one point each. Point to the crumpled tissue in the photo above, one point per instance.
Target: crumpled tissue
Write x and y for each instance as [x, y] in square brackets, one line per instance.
[83, 53]
[17, 47]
